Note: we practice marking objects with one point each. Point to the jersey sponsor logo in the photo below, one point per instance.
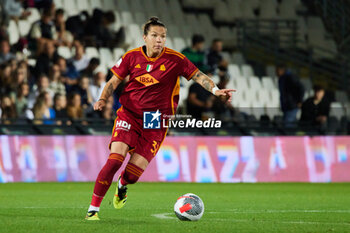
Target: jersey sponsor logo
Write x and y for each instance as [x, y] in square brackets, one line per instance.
[162, 67]
[149, 68]
[147, 80]
[137, 66]
[151, 120]
[119, 62]
[122, 125]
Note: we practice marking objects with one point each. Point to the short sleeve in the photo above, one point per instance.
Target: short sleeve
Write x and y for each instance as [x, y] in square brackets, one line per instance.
[188, 68]
[121, 68]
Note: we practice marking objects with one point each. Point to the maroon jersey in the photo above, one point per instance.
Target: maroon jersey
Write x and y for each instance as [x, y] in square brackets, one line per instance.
[154, 83]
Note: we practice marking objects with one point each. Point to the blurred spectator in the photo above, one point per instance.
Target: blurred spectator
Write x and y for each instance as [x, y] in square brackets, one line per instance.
[41, 4]
[42, 110]
[14, 65]
[56, 85]
[60, 107]
[23, 65]
[199, 101]
[97, 86]
[19, 78]
[196, 53]
[74, 109]
[8, 109]
[46, 59]
[315, 110]
[5, 53]
[21, 99]
[291, 93]
[215, 58]
[13, 9]
[223, 110]
[98, 29]
[42, 31]
[83, 90]
[5, 79]
[80, 61]
[64, 37]
[68, 72]
[90, 69]
[41, 86]
[76, 25]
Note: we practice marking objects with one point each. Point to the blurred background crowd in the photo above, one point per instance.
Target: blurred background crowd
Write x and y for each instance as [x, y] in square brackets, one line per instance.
[55, 58]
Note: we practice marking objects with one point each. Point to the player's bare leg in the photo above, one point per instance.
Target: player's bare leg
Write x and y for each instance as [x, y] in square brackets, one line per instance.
[136, 165]
[105, 177]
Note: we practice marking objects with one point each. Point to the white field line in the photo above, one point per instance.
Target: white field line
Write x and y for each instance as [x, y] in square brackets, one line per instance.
[166, 216]
[278, 211]
[43, 207]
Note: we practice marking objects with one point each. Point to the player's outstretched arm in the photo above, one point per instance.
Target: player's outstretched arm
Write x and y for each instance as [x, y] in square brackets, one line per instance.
[209, 85]
[111, 85]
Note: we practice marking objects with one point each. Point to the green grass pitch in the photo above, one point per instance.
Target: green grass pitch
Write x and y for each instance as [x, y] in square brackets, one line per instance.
[287, 207]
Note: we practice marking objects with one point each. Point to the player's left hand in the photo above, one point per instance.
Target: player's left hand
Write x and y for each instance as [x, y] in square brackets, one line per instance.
[225, 94]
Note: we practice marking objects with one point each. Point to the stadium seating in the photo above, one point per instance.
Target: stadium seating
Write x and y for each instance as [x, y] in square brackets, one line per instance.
[106, 57]
[34, 15]
[84, 5]
[70, 7]
[122, 5]
[92, 52]
[64, 52]
[118, 53]
[268, 9]
[247, 71]
[287, 9]
[109, 5]
[23, 27]
[13, 32]
[95, 4]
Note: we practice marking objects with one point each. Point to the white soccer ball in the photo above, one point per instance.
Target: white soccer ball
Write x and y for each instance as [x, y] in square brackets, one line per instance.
[189, 207]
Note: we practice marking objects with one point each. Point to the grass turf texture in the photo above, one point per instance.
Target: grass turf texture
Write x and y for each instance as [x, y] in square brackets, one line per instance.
[288, 207]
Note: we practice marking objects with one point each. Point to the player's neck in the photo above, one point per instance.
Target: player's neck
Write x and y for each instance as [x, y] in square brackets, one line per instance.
[151, 54]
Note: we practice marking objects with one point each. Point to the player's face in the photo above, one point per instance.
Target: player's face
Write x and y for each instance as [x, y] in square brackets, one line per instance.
[155, 39]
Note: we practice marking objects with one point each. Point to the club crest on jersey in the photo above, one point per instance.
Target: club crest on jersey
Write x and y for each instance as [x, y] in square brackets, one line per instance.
[149, 68]
[147, 80]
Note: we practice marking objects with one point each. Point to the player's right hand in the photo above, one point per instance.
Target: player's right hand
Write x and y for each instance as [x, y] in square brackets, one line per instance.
[99, 105]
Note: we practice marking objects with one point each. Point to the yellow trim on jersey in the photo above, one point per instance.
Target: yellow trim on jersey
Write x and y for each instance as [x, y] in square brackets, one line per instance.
[152, 59]
[133, 50]
[171, 51]
[117, 75]
[193, 73]
[176, 91]
[121, 108]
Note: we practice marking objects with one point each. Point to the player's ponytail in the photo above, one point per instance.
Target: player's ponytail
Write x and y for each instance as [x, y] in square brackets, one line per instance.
[153, 21]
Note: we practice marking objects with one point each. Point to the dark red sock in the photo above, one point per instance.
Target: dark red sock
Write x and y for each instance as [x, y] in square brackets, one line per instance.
[105, 178]
[131, 174]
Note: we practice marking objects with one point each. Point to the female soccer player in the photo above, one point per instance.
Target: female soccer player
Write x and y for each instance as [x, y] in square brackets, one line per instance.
[153, 86]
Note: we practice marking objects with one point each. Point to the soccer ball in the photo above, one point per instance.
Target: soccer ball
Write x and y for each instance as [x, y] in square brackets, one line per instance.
[189, 207]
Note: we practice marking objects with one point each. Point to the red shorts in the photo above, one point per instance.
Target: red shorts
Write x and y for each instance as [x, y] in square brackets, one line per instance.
[129, 129]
